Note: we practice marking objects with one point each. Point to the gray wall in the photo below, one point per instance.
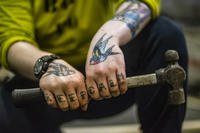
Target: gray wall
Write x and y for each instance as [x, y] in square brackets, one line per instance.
[187, 11]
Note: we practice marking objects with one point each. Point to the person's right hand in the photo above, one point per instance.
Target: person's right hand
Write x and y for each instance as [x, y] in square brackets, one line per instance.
[64, 87]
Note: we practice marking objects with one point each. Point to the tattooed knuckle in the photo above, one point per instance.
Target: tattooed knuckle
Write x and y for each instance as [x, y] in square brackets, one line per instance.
[83, 96]
[112, 84]
[91, 90]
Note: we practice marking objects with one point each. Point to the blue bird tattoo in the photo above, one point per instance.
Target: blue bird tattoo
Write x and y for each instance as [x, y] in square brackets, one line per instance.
[100, 53]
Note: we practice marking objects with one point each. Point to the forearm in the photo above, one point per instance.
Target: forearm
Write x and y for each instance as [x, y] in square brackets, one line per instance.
[22, 57]
[130, 19]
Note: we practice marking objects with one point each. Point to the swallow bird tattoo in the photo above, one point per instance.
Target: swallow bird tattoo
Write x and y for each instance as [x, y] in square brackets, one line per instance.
[100, 53]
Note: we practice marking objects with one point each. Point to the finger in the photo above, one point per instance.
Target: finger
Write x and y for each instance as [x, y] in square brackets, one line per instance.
[82, 97]
[103, 88]
[72, 98]
[121, 79]
[61, 100]
[92, 90]
[113, 85]
[50, 98]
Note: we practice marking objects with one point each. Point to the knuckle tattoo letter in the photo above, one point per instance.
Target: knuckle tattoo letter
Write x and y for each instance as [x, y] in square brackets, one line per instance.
[72, 97]
[91, 90]
[111, 83]
[83, 94]
[120, 77]
[101, 87]
[60, 98]
[48, 98]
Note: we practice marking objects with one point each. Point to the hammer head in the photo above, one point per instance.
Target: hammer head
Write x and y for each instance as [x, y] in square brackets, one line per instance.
[174, 75]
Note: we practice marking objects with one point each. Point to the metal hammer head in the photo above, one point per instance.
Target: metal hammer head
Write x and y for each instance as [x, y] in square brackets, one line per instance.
[174, 75]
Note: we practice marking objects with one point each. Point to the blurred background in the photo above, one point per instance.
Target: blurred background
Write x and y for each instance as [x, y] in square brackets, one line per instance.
[187, 14]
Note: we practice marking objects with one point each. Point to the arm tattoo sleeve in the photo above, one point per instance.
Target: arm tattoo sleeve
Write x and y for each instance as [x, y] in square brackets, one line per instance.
[135, 15]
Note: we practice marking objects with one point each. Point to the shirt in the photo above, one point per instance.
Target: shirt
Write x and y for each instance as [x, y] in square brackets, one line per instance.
[63, 27]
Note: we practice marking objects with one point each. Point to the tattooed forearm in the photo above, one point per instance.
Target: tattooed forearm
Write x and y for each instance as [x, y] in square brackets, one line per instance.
[59, 70]
[135, 16]
[100, 53]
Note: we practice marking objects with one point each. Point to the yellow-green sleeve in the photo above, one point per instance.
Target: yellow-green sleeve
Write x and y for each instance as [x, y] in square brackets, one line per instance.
[16, 24]
[154, 5]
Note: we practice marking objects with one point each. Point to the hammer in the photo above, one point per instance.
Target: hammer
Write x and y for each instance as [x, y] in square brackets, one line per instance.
[172, 75]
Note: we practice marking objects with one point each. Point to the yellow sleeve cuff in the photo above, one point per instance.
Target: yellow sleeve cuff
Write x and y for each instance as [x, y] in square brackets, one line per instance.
[6, 45]
[154, 5]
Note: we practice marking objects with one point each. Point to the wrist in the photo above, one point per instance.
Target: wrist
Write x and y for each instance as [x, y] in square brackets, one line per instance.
[118, 30]
[103, 35]
[42, 64]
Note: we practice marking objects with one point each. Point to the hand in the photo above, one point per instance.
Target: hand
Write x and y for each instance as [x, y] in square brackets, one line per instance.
[64, 87]
[105, 69]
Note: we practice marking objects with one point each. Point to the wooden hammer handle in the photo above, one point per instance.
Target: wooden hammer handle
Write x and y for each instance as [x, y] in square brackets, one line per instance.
[22, 97]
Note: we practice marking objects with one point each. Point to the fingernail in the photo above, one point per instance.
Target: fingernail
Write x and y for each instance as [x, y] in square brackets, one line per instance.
[84, 107]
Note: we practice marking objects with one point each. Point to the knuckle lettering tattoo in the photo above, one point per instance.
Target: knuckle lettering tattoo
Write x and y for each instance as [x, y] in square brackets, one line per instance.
[100, 53]
[111, 83]
[91, 90]
[72, 97]
[120, 77]
[83, 94]
[61, 98]
[101, 87]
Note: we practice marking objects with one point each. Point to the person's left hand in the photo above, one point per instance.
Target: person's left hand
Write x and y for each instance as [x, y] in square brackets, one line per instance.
[105, 69]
